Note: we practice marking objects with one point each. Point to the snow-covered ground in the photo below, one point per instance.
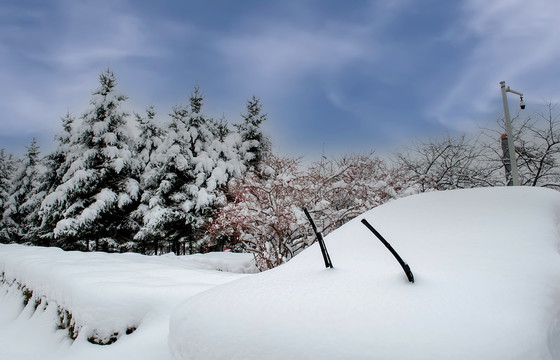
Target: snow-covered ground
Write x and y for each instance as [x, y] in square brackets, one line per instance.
[486, 264]
[105, 294]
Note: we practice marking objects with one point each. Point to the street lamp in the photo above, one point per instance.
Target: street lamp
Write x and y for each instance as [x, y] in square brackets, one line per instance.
[511, 145]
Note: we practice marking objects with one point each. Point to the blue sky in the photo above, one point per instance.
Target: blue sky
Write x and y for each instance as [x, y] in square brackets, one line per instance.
[349, 76]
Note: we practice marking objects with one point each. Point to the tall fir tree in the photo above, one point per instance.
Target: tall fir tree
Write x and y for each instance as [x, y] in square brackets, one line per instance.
[99, 188]
[255, 146]
[185, 177]
[150, 139]
[19, 205]
[7, 168]
[56, 166]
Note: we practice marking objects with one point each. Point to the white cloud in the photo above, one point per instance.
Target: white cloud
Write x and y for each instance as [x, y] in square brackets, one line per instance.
[279, 53]
[51, 56]
[275, 52]
[96, 34]
[505, 40]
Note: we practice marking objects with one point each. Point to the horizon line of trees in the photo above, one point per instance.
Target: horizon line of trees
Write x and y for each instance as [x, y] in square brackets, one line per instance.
[107, 188]
[195, 184]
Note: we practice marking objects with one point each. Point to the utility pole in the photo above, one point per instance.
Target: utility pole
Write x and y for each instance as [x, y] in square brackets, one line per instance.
[506, 159]
[509, 132]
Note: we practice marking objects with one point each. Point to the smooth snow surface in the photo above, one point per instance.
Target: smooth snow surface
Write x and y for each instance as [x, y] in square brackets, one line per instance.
[487, 270]
[105, 294]
[486, 264]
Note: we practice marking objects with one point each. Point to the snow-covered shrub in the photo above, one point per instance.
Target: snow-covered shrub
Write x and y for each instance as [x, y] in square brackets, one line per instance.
[342, 188]
[265, 215]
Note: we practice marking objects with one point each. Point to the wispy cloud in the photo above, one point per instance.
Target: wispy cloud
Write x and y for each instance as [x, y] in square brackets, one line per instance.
[511, 40]
[279, 58]
[96, 33]
[368, 67]
[278, 53]
[51, 56]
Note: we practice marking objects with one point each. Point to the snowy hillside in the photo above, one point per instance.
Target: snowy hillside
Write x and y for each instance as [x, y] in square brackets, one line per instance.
[486, 264]
[487, 271]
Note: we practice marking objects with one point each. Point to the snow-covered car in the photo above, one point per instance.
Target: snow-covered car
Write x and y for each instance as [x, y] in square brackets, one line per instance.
[487, 269]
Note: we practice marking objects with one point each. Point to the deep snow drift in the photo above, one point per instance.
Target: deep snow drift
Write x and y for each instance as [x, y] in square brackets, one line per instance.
[487, 269]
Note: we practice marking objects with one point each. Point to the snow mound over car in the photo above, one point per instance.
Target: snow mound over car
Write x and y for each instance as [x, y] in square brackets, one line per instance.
[101, 297]
[487, 286]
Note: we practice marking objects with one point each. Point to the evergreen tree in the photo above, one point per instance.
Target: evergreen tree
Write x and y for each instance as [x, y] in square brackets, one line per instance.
[150, 138]
[221, 129]
[56, 166]
[185, 178]
[7, 168]
[149, 141]
[99, 188]
[255, 145]
[19, 205]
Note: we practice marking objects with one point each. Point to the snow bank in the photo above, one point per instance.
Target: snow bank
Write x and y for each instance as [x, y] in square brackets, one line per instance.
[487, 270]
[99, 296]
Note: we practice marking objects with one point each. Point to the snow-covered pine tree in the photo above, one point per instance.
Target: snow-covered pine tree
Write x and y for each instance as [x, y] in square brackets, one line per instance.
[56, 165]
[146, 151]
[19, 205]
[220, 129]
[6, 171]
[99, 189]
[150, 138]
[160, 180]
[7, 168]
[56, 162]
[251, 148]
[185, 178]
[255, 145]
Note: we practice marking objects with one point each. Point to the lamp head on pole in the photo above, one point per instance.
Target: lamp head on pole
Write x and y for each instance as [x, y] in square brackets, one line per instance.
[521, 103]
